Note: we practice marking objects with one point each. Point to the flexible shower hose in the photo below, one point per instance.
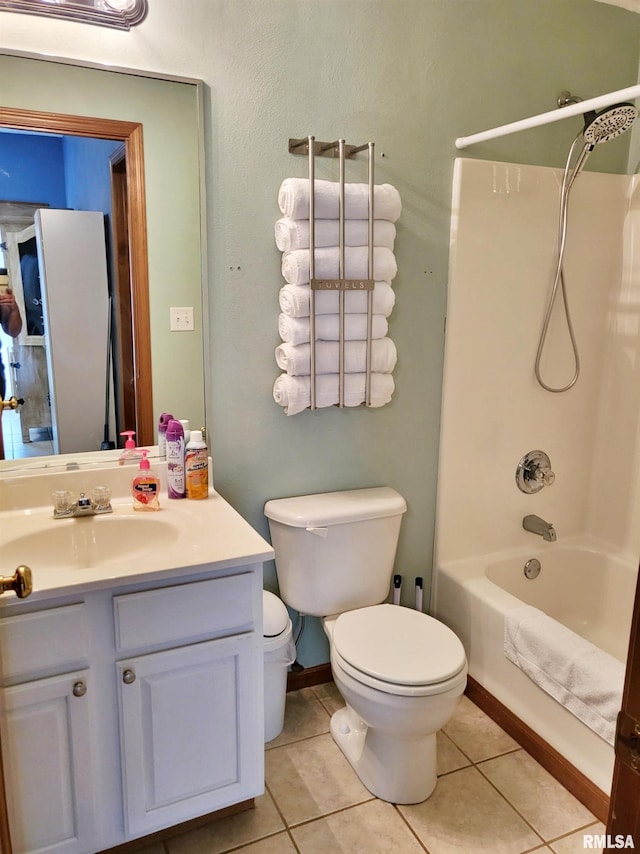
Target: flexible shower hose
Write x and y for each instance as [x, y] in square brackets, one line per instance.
[567, 183]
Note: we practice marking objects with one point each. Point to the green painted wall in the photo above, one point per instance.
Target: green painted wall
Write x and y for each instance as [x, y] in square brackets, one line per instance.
[411, 75]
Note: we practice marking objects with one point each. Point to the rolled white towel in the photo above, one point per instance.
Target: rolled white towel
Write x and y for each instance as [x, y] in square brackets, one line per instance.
[293, 200]
[295, 264]
[295, 330]
[294, 394]
[294, 300]
[295, 359]
[294, 233]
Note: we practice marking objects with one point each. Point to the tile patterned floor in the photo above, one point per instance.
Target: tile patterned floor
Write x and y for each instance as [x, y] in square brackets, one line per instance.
[14, 447]
[491, 797]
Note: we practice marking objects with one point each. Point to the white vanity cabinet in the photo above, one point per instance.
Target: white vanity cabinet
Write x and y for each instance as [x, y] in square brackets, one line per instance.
[187, 713]
[131, 709]
[46, 730]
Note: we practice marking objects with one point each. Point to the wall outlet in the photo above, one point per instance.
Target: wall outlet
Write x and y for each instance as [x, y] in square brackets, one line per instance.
[181, 319]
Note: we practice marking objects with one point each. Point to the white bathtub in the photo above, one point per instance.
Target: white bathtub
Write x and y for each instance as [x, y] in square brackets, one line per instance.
[579, 585]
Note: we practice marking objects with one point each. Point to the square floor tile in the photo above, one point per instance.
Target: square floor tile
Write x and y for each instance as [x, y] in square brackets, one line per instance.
[466, 814]
[304, 716]
[371, 828]
[539, 798]
[229, 832]
[311, 778]
[476, 734]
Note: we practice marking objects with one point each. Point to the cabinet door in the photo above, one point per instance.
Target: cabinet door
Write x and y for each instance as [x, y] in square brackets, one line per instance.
[190, 731]
[47, 764]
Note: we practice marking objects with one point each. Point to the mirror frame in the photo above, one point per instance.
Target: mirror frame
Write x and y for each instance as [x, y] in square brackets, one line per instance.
[129, 133]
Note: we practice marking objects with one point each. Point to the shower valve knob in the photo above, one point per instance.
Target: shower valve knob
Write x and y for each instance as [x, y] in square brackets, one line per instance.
[544, 476]
[534, 472]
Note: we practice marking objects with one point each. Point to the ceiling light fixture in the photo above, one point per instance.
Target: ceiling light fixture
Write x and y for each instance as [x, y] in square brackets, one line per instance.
[120, 14]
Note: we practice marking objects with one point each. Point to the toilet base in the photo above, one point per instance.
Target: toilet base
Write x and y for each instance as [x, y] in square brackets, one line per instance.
[401, 771]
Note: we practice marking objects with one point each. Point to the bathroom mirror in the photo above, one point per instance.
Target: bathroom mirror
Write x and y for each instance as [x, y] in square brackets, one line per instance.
[168, 154]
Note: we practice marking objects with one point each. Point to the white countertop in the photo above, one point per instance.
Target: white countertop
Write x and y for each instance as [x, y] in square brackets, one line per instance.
[67, 555]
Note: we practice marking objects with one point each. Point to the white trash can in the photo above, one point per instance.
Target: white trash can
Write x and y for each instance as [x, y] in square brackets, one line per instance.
[279, 653]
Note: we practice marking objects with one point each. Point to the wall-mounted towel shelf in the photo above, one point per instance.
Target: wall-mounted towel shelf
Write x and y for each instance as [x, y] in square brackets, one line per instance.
[324, 149]
[337, 240]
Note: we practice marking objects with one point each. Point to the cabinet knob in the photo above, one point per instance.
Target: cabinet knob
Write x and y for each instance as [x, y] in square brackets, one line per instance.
[128, 677]
[79, 689]
[21, 582]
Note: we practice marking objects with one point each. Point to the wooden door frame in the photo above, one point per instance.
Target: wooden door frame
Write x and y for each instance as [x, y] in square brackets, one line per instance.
[624, 805]
[130, 133]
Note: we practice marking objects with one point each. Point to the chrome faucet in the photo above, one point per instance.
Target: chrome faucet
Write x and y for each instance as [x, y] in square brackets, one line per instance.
[536, 525]
[66, 505]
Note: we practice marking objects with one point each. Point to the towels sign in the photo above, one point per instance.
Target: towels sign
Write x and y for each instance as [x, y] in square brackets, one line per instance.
[342, 284]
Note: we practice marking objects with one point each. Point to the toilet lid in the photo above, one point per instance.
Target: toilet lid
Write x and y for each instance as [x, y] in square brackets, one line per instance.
[398, 645]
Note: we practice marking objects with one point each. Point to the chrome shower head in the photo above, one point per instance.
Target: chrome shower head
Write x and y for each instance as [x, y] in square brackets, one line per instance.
[608, 123]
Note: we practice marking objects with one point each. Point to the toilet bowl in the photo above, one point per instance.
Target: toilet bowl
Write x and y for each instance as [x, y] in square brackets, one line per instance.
[399, 671]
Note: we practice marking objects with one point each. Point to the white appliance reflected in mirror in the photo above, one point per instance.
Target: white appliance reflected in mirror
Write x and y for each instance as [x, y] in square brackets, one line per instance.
[75, 300]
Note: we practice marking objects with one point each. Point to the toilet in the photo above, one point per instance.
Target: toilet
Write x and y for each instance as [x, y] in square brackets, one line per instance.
[399, 671]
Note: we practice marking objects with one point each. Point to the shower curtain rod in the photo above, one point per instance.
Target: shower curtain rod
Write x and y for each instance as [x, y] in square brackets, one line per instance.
[553, 116]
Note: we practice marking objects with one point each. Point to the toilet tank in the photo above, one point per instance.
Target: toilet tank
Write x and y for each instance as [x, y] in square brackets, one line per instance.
[335, 550]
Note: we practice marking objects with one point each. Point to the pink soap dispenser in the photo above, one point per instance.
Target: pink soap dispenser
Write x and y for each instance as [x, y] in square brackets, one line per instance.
[145, 486]
[130, 452]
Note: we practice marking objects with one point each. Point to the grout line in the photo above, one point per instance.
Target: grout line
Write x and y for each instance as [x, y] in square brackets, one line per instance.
[306, 821]
[571, 832]
[297, 740]
[413, 832]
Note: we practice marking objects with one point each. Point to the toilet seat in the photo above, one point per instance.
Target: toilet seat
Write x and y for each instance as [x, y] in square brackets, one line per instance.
[398, 650]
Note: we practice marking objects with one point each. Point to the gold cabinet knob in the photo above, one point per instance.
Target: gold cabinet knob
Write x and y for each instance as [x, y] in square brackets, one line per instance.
[79, 689]
[21, 582]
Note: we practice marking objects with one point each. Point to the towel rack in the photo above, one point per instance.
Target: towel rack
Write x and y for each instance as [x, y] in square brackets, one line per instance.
[312, 148]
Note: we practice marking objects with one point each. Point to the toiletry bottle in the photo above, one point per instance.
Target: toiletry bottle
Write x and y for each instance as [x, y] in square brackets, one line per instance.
[187, 432]
[175, 460]
[162, 433]
[145, 487]
[130, 453]
[196, 466]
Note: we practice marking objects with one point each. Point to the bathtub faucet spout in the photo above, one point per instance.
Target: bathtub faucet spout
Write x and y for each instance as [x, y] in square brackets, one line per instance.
[538, 526]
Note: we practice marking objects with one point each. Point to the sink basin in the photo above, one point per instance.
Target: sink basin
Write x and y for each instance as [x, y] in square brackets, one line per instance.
[88, 542]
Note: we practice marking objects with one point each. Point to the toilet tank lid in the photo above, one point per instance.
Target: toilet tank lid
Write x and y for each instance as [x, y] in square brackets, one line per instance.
[336, 508]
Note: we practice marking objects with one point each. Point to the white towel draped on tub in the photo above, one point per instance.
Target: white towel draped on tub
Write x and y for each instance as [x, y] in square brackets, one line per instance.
[295, 330]
[583, 678]
[295, 264]
[294, 300]
[293, 200]
[295, 359]
[294, 233]
[293, 393]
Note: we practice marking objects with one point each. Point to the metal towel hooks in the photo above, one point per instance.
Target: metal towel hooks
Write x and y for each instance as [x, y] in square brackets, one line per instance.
[313, 148]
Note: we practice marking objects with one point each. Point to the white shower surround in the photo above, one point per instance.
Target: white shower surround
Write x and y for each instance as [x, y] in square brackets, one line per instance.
[503, 255]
